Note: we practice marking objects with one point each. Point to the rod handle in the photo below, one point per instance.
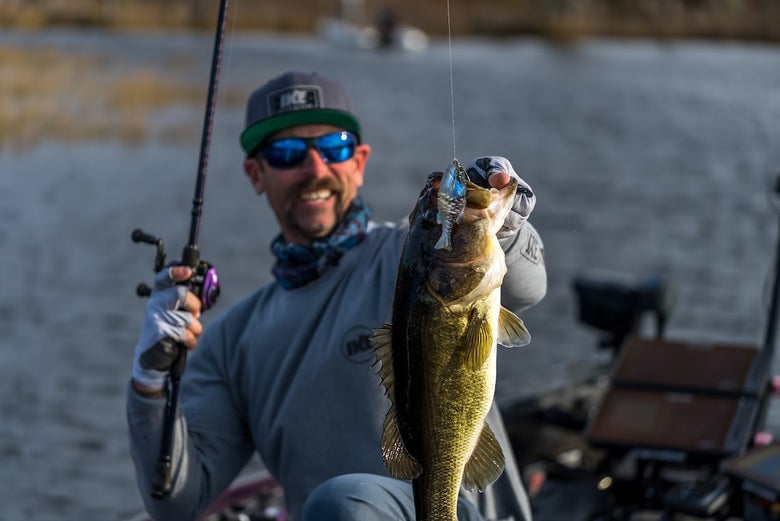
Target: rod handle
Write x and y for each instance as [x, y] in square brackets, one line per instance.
[163, 480]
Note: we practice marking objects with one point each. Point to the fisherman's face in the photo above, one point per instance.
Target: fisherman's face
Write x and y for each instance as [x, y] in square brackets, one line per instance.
[309, 200]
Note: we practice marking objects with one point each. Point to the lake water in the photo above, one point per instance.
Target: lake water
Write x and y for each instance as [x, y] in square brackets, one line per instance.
[647, 158]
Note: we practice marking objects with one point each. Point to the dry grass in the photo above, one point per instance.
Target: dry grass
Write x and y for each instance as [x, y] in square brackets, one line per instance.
[50, 95]
[33, 90]
[565, 19]
[46, 94]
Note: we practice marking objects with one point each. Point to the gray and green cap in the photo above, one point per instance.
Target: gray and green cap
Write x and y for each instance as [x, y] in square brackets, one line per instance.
[295, 98]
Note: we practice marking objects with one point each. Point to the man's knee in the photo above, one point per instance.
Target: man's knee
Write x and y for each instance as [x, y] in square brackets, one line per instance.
[326, 500]
[359, 497]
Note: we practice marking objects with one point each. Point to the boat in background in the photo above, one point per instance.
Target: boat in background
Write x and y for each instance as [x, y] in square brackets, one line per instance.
[383, 35]
[254, 496]
[350, 29]
[630, 461]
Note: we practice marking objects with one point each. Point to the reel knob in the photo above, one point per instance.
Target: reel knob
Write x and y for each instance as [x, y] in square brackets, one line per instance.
[143, 290]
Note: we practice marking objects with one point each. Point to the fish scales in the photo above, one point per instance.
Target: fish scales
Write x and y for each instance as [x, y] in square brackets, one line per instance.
[437, 360]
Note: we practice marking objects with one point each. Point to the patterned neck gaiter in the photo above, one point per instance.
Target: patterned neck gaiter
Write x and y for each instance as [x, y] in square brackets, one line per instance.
[297, 265]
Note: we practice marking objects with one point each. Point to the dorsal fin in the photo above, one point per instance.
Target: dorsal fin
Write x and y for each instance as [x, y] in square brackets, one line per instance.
[394, 454]
[383, 351]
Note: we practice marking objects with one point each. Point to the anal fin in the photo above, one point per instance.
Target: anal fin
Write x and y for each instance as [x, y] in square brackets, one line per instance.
[486, 462]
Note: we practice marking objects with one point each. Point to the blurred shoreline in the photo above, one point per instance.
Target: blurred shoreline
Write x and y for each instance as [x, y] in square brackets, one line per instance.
[557, 20]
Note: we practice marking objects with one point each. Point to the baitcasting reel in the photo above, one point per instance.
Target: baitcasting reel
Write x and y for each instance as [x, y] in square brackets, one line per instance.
[167, 354]
[204, 281]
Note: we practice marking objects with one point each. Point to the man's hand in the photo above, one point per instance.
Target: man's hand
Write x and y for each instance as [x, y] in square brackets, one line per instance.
[172, 312]
[496, 172]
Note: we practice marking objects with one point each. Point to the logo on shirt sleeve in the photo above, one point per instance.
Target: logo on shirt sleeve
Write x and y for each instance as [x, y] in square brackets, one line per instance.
[356, 345]
[532, 250]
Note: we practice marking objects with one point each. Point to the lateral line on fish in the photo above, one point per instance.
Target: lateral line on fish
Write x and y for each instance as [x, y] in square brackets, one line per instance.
[467, 264]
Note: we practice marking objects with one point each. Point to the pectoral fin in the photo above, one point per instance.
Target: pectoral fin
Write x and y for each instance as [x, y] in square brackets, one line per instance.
[394, 454]
[511, 330]
[486, 462]
[479, 340]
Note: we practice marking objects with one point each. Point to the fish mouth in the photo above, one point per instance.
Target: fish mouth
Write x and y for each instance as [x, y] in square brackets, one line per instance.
[481, 202]
[477, 197]
[493, 200]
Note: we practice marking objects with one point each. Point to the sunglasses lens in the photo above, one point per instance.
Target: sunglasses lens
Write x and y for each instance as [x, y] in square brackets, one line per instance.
[290, 152]
[337, 147]
[285, 153]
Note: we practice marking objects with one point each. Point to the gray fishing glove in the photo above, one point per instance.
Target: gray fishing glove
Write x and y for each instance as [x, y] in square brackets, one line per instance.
[164, 318]
[482, 168]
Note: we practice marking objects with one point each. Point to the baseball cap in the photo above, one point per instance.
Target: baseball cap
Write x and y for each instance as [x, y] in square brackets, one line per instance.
[295, 98]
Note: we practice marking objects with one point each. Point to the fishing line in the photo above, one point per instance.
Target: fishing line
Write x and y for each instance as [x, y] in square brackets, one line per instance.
[452, 82]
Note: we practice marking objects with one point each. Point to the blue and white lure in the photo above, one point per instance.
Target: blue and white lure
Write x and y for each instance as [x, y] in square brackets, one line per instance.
[451, 202]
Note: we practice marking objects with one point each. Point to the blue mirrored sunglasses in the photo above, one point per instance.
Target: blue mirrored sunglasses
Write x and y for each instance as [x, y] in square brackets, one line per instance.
[290, 152]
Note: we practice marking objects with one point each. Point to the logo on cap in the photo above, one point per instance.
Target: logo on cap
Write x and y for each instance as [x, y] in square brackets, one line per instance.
[294, 98]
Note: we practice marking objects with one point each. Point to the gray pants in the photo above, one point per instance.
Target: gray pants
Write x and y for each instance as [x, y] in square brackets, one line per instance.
[368, 497]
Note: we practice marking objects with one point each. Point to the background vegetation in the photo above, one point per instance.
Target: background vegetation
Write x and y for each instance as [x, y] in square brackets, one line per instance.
[47, 93]
[559, 19]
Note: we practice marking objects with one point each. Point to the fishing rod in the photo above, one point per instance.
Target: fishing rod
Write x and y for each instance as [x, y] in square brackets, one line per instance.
[765, 359]
[771, 326]
[168, 354]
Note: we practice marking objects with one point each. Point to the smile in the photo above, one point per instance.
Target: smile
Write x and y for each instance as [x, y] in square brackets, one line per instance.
[317, 195]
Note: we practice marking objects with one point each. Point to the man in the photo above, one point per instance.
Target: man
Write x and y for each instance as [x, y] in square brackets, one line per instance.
[285, 372]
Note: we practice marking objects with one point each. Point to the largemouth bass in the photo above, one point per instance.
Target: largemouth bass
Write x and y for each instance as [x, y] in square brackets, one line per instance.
[438, 358]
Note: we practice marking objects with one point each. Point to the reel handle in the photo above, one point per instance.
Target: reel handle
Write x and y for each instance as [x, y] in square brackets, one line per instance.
[139, 235]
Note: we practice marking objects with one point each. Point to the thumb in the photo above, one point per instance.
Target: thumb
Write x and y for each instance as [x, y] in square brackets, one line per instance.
[167, 278]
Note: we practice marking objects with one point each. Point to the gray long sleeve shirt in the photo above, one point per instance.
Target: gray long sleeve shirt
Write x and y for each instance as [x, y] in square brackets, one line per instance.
[287, 373]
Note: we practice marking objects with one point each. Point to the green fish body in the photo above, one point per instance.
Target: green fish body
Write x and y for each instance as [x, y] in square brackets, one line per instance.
[438, 358]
